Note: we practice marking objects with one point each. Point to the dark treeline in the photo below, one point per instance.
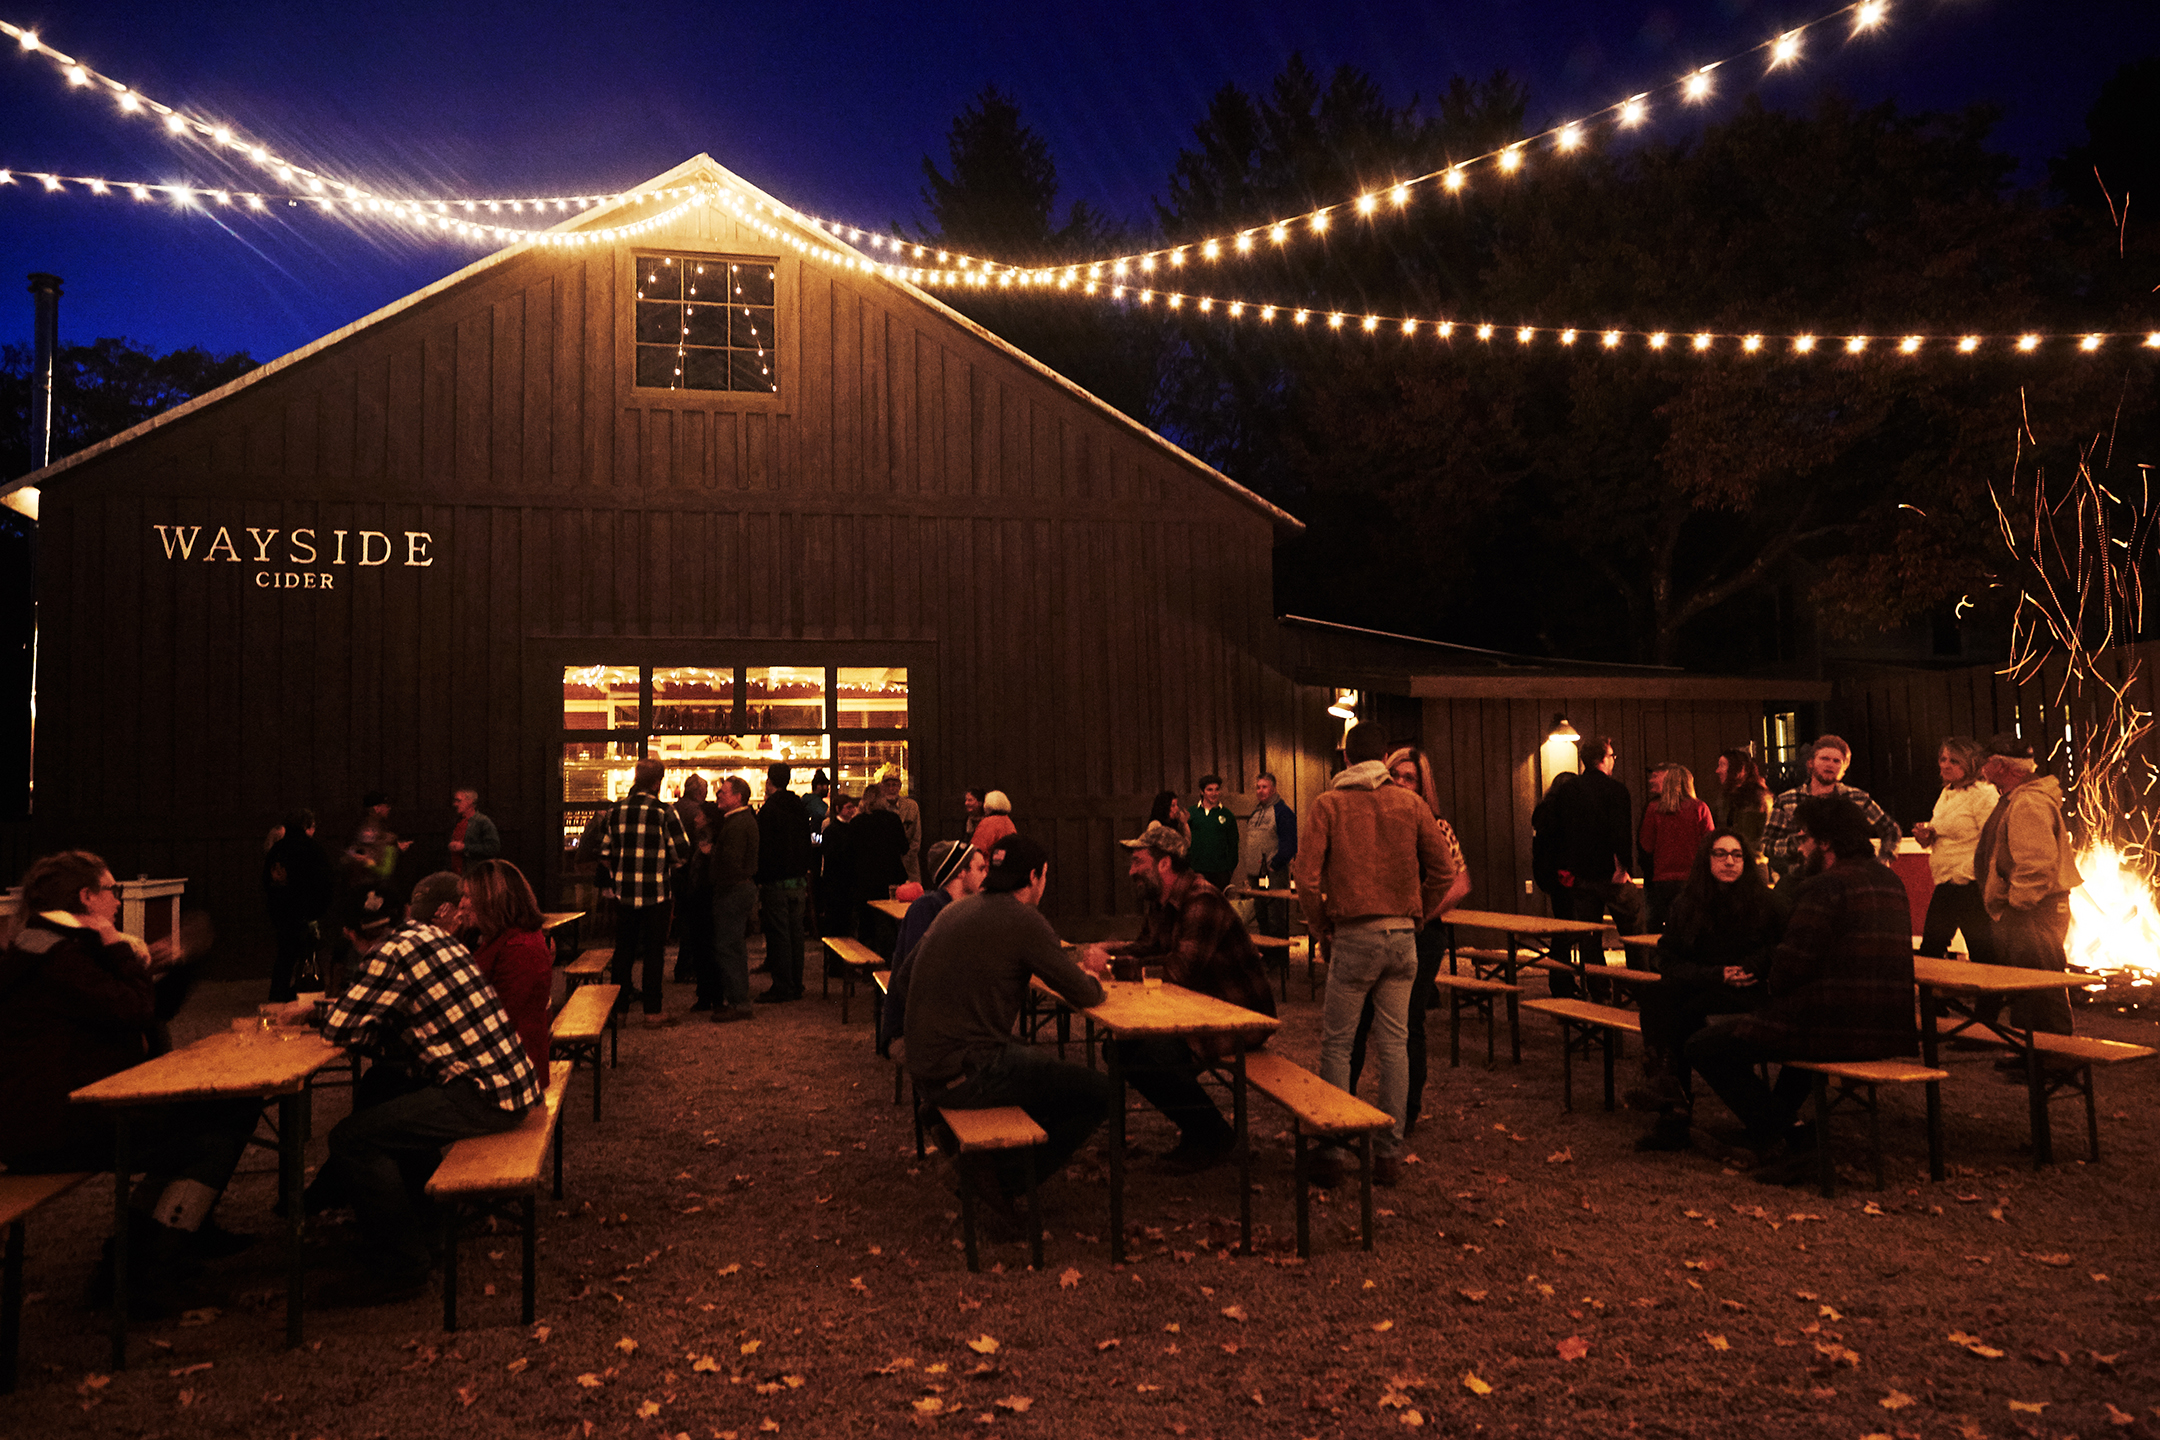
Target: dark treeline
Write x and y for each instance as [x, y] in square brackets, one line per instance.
[1626, 506]
[99, 390]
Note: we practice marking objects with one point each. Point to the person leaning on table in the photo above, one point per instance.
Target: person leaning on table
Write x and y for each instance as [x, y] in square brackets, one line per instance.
[1951, 836]
[2027, 870]
[79, 1001]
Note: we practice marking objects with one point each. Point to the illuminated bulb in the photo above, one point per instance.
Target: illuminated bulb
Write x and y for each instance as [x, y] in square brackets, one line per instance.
[1804, 343]
[1094, 271]
[129, 100]
[1484, 332]
[1237, 308]
[1697, 86]
[1299, 318]
[1968, 344]
[138, 192]
[1787, 48]
[1869, 15]
[2090, 342]
[1117, 269]
[1372, 323]
[1147, 262]
[1751, 343]
[1400, 195]
[2152, 341]
[1702, 342]
[222, 135]
[1612, 339]
[77, 75]
[1524, 335]
[1366, 204]
[1454, 178]
[1570, 136]
[1447, 329]
[28, 39]
[1567, 337]
[1117, 292]
[1279, 233]
[1212, 250]
[1244, 243]
[1910, 345]
[1267, 312]
[175, 124]
[1335, 321]
[1319, 220]
[1409, 327]
[1854, 344]
[1177, 257]
[1634, 111]
[1511, 159]
[2028, 342]
[1657, 341]
[52, 182]
[1176, 301]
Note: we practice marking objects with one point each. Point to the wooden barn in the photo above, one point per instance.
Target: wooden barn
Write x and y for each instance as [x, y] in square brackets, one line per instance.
[689, 477]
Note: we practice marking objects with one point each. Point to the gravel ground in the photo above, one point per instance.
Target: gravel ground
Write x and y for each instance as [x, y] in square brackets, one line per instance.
[749, 1246]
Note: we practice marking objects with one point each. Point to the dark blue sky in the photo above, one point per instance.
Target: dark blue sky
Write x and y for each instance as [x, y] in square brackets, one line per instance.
[830, 108]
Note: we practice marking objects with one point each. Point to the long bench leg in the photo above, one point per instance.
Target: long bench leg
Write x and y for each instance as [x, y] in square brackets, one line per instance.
[1365, 1149]
[1874, 1135]
[558, 1158]
[967, 1221]
[291, 1183]
[2092, 1114]
[1034, 1203]
[532, 1258]
[123, 1175]
[1935, 1130]
[614, 1042]
[1608, 1043]
[915, 1094]
[1567, 1067]
[1454, 1030]
[11, 1296]
[1298, 1179]
[1825, 1168]
[449, 1265]
[596, 1080]
[1243, 1143]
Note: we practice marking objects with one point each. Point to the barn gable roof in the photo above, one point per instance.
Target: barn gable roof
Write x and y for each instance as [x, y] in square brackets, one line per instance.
[698, 170]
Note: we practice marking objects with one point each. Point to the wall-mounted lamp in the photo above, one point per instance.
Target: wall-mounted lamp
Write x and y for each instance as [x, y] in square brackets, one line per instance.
[1557, 755]
[1345, 706]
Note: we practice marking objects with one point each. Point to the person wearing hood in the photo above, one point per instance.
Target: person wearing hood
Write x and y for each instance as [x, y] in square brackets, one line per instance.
[996, 823]
[2027, 871]
[1372, 868]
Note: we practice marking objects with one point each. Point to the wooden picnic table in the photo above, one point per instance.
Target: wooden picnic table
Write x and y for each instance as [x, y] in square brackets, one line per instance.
[1136, 1010]
[1957, 986]
[562, 929]
[894, 910]
[1516, 927]
[257, 1064]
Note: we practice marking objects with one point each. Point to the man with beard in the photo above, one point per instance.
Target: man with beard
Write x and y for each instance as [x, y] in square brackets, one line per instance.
[1192, 933]
[1840, 985]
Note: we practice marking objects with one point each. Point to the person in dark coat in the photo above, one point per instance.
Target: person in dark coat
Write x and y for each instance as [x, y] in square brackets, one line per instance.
[1840, 982]
[881, 847]
[783, 883]
[836, 869]
[297, 885]
[80, 1001]
[1588, 825]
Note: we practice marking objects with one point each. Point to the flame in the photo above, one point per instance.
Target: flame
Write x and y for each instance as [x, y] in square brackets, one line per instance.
[2114, 924]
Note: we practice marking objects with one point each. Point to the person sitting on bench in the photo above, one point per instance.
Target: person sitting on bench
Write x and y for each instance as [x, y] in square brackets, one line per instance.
[1716, 948]
[972, 970]
[1193, 934]
[80, 1001]
[421, 1004]
[956, 872]
[1840, 986]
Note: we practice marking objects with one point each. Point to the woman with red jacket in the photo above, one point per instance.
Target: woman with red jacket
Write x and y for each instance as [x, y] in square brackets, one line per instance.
[513, 953]
[1674, 825]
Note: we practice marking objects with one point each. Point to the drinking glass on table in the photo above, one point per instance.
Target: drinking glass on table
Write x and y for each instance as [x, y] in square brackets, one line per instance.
[1151, 976]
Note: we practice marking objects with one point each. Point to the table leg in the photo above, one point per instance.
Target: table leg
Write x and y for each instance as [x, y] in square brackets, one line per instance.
[1244, 1145]
[1117, 1147]
[1930, 1018]
[290, 1155]
[1514, 1022]
[121, 1179]
[2043, 1141]
[11, 1297]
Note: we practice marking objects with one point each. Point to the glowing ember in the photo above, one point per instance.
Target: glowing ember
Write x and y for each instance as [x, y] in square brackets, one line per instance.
[2114, 924]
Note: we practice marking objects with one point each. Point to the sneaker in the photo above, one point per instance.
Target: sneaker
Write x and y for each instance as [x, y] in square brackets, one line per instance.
[701, 1007]
[728, 1014]
[1656, 1094]
[1387, 1171]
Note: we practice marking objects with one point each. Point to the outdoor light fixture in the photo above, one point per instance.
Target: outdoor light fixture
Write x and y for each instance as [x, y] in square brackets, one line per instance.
[1557, 755]
[1345, 706]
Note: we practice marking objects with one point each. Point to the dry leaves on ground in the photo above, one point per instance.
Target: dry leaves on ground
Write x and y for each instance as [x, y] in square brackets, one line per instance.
[1068, 1279]
[1716, 1342]
[1474, 1385]
[1017, 1404]
[983, 1345]
[1572, 1348]
[1236, 1312]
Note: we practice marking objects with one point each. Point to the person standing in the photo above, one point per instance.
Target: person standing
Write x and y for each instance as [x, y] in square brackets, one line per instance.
[1267, 845]
[1371, 870]
[996, 822]
[1674, 825]
[297, 888]
[816, 805]
[1214, 835]
[783, 869]
[887, 785]
[1743, 800]
[1169, 809]
[372, 858]
[692, 887]
[880, 841]
[1587, 825]
[1951, 836]
[474, 837]
[642, 844]
[836, 868]
[971, 810]
[731, 862]
[2028, 869]
[1828, 760]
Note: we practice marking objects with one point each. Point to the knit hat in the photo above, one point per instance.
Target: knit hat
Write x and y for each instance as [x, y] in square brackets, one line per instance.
[1013, 862]
[1162, 839]
[995, 803]
[947, 859]
[2011, 747]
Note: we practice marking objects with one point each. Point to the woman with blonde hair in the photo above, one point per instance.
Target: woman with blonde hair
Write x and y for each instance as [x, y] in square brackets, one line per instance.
[1951, 836]
[1409, 768]
[1674, 825]
[513, 953]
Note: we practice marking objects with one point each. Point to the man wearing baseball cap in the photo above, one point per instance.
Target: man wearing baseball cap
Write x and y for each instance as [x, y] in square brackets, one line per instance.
[2027, 870]
[1190, 931]
[971, 974]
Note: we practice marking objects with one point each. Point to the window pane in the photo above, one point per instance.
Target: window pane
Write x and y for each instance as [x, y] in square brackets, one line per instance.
[749, 328]
[717, 756]
[751, 371]
[704, 370]
[694, 698]
[705, 281]
[861, 760]
[600, 697]
[597, 772]
[751, 284]
[704, 324]
[656, 367]
[659, 323]
[784, 697]
[658, 278]
[873, 698]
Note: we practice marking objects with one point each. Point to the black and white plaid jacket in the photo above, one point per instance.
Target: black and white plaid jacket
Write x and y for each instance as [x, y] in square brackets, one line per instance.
[642, 844]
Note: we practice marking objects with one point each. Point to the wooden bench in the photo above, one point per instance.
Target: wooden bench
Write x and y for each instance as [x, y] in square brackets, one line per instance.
[1467, 992]
[19, 1195]
[1318, 1108]
[1584, 1024]
[1856, 1082]
[855, 959]
[883, 978]
[980, 1132]
[586, 1014]
[2067, 1063]
[495, 1176]
[591, 968]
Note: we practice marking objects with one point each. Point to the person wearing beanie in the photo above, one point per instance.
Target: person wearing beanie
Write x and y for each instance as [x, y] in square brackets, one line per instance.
[956, 871]
[996, 824]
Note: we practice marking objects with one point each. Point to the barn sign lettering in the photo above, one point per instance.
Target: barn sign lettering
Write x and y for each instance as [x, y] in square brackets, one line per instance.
[302, 547]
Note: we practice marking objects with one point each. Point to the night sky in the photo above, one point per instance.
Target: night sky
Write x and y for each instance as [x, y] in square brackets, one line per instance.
[831, 108]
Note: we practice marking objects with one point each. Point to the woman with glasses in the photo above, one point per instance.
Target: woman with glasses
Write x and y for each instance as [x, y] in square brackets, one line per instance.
[1713, 954]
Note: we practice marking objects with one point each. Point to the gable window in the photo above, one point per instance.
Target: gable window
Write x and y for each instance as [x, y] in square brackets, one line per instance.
[706, 323]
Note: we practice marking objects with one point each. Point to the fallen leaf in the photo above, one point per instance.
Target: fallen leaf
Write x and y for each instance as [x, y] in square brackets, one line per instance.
[768, 1424]
[2057, 1259]
[1474, 1385]
[929, 1405]
[734, 1269]
[983, 1345]
[857, 1286]
[2029, 1407]
[2119, 1417]
[1411, 1417]
[1871, 1208]
[1171, 1328]
[1235, 1312]
[1837, 1354]
[1975, 1344]
[1017, 1404]
[1716, 1342]
[199, 1317]
[1895, 1400]
[793, 1382]
[705, 1365]
[196, 1369]
[589, 1380]
[649, 1409]
[1383, 1326]
[1475, 1297]
[1829, 1312]
[626, 1345]
[749, 1347]
[1560, 1157]
[517, 1366]
[1572, 1348]
[541, 1332]
[1111, 1344]
[186, 1398]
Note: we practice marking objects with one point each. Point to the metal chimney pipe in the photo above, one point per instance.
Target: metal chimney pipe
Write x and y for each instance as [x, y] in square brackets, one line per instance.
[46, 347]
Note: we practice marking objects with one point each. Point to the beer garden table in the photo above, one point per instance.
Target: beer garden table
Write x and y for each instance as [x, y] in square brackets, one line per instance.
[1516, 928]
[1955, 986]
[253, 1064]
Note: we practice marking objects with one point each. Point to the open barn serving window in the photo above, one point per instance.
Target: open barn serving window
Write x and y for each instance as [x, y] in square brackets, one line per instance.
[722, 720]
[707, 323]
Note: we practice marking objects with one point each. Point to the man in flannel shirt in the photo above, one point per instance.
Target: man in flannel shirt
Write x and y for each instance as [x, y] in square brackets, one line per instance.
[1828, 759]
[419, 1004]
[642, 844]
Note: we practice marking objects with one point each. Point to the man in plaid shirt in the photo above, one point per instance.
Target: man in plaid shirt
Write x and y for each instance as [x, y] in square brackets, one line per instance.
[642, 844]
[1189, 930]
[1828, 759]
[420, 1006]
